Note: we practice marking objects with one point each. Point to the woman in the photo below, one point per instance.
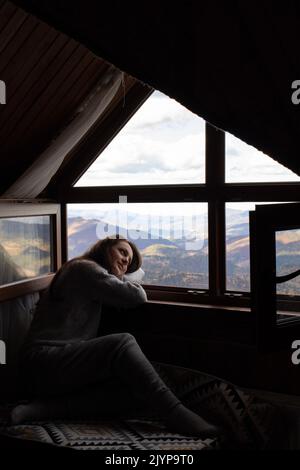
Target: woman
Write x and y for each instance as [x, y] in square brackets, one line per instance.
[70, 372]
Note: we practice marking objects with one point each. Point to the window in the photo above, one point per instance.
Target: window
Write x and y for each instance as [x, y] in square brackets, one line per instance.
[28, 236]
[164, 162]
[163, 143]
[275, 273]
[171, 237]
[238, 245]
[25, 248]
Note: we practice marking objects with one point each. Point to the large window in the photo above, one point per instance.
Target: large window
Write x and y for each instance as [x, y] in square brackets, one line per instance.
[173, 170]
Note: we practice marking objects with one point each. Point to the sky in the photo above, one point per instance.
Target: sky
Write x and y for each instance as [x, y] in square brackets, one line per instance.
[165, 143]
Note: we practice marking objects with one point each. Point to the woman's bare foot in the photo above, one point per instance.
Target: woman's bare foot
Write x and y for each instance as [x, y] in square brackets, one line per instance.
[184, 421]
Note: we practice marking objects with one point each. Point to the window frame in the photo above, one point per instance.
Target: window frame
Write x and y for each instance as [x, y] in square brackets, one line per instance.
[24, 208]
[215, 191]
[265, 221]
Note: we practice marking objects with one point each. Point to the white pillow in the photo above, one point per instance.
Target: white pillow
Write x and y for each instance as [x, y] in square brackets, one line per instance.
[136, 276]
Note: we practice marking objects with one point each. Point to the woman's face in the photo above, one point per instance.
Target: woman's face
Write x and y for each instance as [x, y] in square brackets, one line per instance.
[119, 258]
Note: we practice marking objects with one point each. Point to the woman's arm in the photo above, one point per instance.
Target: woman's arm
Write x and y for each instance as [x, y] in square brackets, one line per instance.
[99, 284]
[120, 293]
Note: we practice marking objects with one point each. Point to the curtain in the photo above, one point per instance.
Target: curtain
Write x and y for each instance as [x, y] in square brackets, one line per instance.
[38, 175]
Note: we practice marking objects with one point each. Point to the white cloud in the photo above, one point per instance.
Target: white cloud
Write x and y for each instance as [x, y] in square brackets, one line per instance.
[162, 143]
[244, 163]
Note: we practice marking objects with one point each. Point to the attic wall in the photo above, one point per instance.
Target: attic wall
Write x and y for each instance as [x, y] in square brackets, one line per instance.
[232, 63]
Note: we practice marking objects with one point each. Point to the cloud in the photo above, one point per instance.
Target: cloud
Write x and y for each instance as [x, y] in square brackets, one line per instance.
[163, 143]
[160, 110]
[245, 163]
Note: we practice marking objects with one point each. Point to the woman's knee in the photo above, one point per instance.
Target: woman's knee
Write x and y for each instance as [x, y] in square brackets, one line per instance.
[122, 343]
[124, 339]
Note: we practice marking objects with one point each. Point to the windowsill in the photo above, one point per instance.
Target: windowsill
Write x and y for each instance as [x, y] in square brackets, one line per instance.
[229, 301]
[201, 306]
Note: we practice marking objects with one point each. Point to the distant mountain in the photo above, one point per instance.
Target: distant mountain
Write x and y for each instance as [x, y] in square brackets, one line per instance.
[166, 260]
[36, 252]
[236, 217]
[83, 233]
[13, 228]
[237, 231]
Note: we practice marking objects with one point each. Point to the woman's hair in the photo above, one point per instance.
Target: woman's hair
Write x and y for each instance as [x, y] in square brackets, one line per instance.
[99, 252]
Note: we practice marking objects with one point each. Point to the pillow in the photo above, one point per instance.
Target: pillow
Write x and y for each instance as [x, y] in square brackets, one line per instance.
[136, 276]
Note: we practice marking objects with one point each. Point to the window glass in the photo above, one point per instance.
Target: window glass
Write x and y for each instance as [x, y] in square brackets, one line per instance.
[237, 245]
[288, 260]
[172, 237]
[245, 164]
[25, 248]
[163, 143]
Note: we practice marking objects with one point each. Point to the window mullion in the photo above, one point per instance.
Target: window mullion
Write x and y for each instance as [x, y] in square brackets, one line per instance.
[64, 232]
[215, 181]
[216, 248]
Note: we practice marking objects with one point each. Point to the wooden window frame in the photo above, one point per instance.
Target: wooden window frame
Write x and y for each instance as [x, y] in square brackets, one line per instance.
[265, 221]
[23, 208]
[215, 191]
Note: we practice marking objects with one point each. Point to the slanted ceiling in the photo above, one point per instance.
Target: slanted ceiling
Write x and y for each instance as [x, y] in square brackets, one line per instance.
[232, 63]
[47, 76]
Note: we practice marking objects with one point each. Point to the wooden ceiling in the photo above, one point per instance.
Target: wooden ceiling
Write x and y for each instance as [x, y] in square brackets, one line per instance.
[47, 76]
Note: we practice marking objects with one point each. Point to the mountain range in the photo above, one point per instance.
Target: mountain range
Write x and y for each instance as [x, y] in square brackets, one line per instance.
[167, 260]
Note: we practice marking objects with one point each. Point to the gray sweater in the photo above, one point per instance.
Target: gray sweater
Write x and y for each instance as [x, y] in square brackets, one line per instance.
[71, 310]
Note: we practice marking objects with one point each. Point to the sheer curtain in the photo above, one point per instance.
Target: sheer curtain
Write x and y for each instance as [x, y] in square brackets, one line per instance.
[39, 174]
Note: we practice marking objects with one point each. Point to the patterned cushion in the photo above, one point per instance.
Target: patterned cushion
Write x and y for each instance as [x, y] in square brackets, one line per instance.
[135, 434]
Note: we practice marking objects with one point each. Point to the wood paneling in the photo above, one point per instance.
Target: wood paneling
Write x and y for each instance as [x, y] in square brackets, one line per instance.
[47, 76]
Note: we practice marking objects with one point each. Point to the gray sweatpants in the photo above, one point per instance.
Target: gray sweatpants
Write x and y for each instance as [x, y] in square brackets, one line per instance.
[107, 375]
